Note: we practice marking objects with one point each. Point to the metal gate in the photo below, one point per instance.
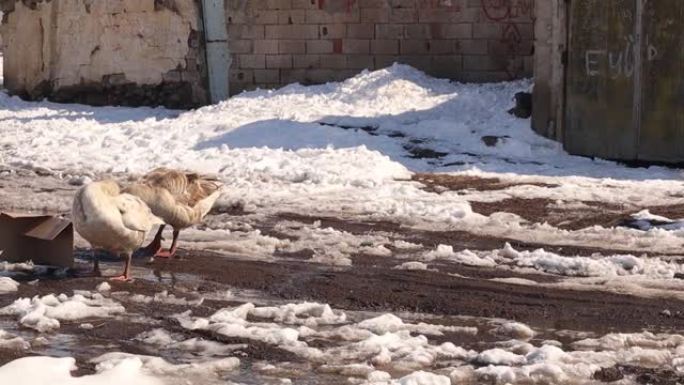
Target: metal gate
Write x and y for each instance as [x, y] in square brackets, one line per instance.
[625, 88]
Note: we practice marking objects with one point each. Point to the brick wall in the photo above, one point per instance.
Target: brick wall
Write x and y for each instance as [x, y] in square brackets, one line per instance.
[277, 42]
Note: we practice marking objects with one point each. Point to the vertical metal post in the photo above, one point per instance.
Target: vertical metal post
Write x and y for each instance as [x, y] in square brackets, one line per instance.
[638, 72]
[218, 55]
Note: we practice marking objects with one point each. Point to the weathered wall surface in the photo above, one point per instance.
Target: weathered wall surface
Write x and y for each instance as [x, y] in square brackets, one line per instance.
[549, 70]
[276, 42]
[128, 52]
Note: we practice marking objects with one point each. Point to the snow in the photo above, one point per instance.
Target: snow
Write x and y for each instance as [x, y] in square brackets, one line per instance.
[161, 367]
[412, 265]
[104, 287]
[58, 371]
[516, 330]
[465, 257]
[424, 378]
[344, 149]
[341, 148]
[8, 285]
[11, 342]
[499, 357]
[644, 220]
[44, 313]
[161, 297]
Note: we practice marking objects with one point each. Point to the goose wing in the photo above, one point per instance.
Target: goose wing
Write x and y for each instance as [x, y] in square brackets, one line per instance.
[187, 188]
[173, 181]
[200, 188]
[135, 214]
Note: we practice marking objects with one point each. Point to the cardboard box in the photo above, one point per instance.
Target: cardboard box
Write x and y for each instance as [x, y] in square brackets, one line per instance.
[43, 239]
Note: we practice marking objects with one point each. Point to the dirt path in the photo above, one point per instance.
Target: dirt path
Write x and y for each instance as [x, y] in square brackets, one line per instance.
[370, 284]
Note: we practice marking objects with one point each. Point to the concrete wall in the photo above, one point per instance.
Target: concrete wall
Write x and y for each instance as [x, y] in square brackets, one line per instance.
[549, 69]
[127, 52]
[276, 42]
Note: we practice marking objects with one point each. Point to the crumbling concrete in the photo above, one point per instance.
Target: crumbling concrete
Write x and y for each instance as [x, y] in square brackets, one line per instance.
[122, 52]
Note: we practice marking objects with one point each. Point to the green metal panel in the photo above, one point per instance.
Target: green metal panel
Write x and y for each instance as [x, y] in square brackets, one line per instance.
[600, 79]
[661, 135]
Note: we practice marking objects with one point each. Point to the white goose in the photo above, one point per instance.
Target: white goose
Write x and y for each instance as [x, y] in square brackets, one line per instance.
[112, 220]
[182, 199]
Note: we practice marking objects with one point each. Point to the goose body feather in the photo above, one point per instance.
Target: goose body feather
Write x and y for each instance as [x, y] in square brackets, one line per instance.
[181, 199]
[110, 219]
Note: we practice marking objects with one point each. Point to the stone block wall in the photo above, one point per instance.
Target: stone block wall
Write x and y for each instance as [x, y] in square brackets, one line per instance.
[113, 52]
[277, 42]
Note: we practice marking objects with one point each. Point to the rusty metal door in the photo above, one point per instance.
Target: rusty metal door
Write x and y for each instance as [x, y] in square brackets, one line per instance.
[625, 87]
[600, 79]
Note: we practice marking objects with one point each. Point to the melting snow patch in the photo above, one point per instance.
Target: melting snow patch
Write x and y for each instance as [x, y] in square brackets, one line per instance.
[58, 371]
[8, 285]
[465, 257]
[159, 366]
[44, 313]
[413, 265]
[104, 287]
[161, 297]
[10, 342]
[515, 330]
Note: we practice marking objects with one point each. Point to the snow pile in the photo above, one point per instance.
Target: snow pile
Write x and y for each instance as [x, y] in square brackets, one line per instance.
[44, 313]
[610, 266]
[8, 285]
[569, 266]
[268, 146]
[58, 371]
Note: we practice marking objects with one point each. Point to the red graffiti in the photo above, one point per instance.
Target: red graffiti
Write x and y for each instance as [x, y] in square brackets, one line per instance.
[502, 10]
[508, 12]
[451, 5]
[511, 34]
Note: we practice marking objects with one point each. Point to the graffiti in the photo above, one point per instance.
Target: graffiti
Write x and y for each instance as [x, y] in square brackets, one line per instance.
[508, 13]
[451, 5]
[620, 63]
[506, 10]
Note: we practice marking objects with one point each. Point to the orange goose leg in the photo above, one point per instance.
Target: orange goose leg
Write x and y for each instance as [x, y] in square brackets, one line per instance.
[172, 251]
[155, 246]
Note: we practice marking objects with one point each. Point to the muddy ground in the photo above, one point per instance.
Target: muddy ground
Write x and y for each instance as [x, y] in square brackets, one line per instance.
[370, 284]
